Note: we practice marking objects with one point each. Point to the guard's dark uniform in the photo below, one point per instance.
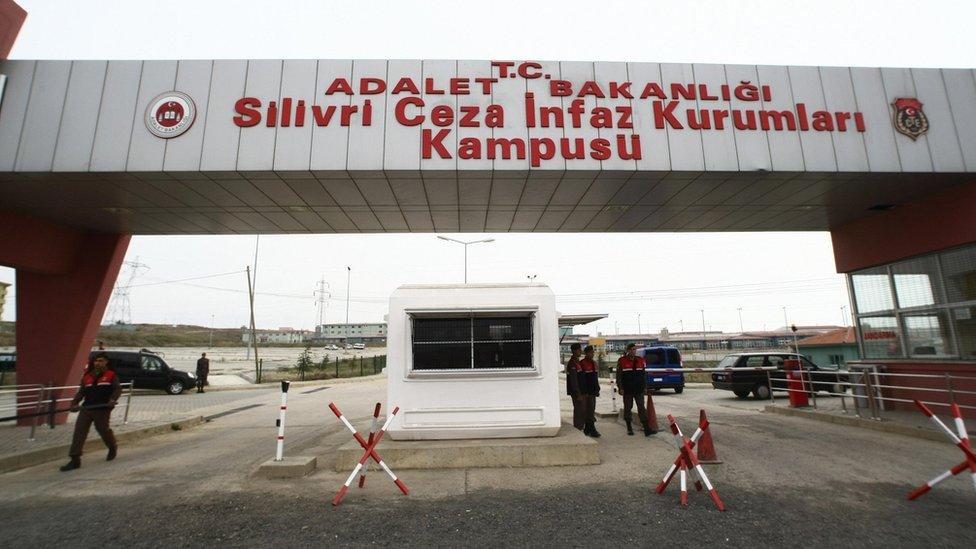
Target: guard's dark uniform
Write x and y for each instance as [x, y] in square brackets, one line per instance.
[632, 380]
[203, 368]
[97, 393]
[589, 384]
[573, 390]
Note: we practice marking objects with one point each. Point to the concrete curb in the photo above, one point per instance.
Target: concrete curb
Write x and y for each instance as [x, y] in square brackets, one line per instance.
[277, 384]
[51, 453]
[884, 427]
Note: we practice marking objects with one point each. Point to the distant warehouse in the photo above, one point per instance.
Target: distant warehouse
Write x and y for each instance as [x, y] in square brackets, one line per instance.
[370, 334]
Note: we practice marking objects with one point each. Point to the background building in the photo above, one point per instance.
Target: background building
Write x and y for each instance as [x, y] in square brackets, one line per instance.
[281, 335]
[3, 296]
[708, 341]
[370, 334]
[836, 347]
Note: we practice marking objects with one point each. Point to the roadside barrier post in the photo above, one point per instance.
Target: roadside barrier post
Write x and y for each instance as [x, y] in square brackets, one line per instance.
[961, 440]
[687, 460]
[796, 391]
[281, 420]
[372, 435]
[613, 394]
[370, 453]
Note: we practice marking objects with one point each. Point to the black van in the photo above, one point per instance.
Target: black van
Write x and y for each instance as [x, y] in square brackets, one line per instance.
[147, 370]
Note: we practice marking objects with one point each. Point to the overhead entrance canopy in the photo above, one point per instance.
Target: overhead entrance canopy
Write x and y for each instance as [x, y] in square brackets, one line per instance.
[294, 146]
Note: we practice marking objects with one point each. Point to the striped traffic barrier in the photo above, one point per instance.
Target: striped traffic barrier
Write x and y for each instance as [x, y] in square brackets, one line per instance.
[281, 420]
[691, 463]
[372, 433]
[960, 439]
[678, 460]
[370, 452]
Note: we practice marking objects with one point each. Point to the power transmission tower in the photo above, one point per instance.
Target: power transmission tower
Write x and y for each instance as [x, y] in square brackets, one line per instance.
[322, 295]
[120, 311]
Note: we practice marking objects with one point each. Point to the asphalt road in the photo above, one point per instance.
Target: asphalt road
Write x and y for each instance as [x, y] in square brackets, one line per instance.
[786, 481]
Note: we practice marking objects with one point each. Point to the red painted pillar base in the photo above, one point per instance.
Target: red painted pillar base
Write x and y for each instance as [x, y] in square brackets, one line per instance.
[64, 282]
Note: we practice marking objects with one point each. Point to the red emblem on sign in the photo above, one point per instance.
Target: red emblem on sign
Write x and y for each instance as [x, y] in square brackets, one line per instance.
[170, 114]
[909, 118]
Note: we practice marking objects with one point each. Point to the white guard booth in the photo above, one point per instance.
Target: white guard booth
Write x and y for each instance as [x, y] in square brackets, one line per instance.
[473, 361]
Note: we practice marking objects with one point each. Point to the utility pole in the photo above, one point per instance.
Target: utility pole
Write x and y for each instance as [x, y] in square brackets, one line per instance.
[638, 323]
[843, 316]
[348, 283]
[120, 311]
[704, 341]
[322, 294]
[741, 329]
[786, 320]
[211, 329]
[254, 338]
[251, 285]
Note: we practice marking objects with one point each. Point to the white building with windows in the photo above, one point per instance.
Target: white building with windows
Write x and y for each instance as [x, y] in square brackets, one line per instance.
[353, 332]
[473, 361]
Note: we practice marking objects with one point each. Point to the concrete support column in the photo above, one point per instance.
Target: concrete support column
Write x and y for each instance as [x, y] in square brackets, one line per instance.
[63, 284]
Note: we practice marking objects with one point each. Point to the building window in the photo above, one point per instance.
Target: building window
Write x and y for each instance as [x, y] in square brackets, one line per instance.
[924, 307]
[836, 360]
[476, 342]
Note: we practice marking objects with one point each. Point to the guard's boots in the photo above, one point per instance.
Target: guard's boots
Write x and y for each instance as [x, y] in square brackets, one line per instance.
[73, 464]
[112, 451]
[590, 430]
[630, 429]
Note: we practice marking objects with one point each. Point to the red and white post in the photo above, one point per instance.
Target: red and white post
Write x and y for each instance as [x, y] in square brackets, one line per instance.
[372, 434]
[370, 452]
[281, 420]
[687, 462]
[960, 439]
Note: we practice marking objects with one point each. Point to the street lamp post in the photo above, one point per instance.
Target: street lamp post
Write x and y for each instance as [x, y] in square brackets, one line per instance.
[741, 329]
[466, 244]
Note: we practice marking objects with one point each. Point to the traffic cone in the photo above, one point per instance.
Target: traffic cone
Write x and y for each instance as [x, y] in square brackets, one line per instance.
[706, 448]
[651, 414]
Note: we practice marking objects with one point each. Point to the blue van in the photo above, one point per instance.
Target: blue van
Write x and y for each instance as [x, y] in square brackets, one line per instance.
[663, 356]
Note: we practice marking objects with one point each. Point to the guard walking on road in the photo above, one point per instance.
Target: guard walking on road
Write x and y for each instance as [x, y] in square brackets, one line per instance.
[589, 385]
[632, 384]
[203, 368]
[100, 389]
[573, 387]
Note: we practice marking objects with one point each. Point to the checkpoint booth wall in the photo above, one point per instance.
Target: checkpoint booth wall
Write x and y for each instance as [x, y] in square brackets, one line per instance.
[473, 361]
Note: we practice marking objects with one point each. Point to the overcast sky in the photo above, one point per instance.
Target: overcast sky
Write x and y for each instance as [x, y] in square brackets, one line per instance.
[660, 280]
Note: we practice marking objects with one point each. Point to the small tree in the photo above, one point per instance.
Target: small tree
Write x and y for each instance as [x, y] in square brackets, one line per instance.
[304, 362]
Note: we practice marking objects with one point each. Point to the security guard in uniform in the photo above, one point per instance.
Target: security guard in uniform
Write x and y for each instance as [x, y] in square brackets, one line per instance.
[632, 384]
[572, 385]
[100, 389]
[589, 384]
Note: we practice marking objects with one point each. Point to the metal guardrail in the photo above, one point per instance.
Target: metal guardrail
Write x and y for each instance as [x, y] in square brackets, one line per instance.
[37, 401]
[871, 388]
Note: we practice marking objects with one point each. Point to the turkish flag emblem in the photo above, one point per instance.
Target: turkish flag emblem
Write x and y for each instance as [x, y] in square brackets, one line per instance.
[909, 118]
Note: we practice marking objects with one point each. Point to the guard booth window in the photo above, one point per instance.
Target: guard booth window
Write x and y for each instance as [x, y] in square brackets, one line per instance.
[474, 342]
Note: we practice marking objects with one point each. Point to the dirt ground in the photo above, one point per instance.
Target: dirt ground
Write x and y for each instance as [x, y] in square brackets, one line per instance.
[785, 481]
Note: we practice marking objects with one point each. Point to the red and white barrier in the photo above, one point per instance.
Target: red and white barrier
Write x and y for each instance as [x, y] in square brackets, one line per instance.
[369, 453]
[372, 433]
[960, 439]
[688, 462]
[279, 453]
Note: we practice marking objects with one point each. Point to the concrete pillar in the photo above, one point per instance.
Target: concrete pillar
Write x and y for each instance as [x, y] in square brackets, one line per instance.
[63, 284]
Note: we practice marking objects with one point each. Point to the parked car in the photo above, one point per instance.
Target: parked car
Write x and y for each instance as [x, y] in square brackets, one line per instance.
[660, 357]
[744, 382]
[147, 370]
[359, 346]
[332, 347]
[8, 362]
